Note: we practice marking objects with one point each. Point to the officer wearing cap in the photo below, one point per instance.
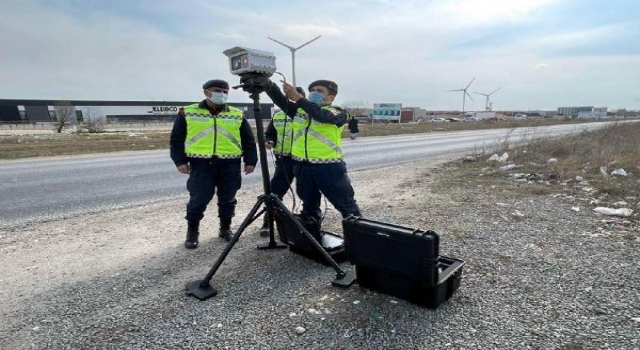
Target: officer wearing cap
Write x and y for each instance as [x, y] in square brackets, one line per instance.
[317, 146]
[279, 139]
[207, 142]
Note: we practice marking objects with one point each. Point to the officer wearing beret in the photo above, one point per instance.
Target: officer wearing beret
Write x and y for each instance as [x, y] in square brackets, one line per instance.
[317, 146]
[279, 139]
[207, 142]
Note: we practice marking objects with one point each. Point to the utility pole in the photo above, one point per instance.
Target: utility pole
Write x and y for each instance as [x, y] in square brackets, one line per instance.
[293, 55]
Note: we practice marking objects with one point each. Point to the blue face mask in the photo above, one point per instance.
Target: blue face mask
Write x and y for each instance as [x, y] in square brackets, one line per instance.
[316, 97]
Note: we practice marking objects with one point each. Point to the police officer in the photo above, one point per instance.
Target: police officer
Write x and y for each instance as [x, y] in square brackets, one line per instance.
[207, 141]
[317, 146]
[279, 139]
[353, 127]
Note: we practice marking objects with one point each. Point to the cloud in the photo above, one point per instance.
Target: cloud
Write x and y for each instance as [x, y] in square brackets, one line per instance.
[580, 37]
[410, 51]
[473, 12]
[311, 30]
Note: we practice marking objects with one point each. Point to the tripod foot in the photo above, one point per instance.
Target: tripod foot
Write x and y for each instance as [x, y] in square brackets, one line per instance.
[344, 281]
[201, 290]
[271, 245]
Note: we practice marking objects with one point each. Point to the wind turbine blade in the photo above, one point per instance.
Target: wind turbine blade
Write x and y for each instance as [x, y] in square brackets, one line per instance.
[495, 90]
[474, 78]
[480, 93]
[455, 90]
[469, 96]
[308, 42]
[283, 44]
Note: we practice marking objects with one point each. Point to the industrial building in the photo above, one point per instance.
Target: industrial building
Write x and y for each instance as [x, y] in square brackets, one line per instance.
[33, 111]
[412, 114]
[583, 112]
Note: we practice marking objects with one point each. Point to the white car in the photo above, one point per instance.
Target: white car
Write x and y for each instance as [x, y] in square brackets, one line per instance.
[438, 120]
[520, 116]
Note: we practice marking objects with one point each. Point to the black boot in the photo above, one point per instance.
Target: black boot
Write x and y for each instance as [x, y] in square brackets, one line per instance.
[192, 234]
[264, 230]
[225, 229]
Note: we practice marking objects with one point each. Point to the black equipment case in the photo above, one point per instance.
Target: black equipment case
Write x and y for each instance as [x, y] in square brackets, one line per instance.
[401, 261]
[298, 243]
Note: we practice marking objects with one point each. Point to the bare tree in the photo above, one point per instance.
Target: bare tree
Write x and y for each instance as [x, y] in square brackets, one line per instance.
[64, 111]
[91, 122]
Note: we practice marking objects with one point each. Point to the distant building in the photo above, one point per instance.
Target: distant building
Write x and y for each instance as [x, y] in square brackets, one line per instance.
[16, 111]
[595, 113]
[411, 114]
[574, 111]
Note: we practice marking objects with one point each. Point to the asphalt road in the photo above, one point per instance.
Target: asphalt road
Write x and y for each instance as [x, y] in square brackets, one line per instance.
[45, 189]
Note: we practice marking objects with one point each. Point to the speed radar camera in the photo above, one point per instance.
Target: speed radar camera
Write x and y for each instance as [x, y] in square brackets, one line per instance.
[243, 60]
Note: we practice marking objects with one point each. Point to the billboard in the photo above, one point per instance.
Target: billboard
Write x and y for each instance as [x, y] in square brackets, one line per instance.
[387, 111]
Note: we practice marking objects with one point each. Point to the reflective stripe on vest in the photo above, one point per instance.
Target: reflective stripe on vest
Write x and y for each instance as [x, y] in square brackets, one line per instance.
[316, 142]
[209, 135]
[284, 129]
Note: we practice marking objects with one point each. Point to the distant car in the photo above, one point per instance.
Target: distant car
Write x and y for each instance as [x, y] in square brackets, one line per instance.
[520, 116]
[438, 120]
[453, 119]
[470, 119]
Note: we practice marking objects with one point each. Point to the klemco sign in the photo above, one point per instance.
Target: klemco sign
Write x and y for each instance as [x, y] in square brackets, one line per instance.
[387, 111]
[164, 110]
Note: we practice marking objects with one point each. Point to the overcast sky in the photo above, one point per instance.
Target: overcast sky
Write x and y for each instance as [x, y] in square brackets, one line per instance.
[543, 53]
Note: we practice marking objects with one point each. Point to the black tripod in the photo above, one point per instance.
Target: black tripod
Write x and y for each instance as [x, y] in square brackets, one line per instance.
[202, 289]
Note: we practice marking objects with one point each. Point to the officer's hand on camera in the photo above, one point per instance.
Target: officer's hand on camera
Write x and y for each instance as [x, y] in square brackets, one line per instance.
[248, 169]
[184, 169]
[291, 92]
[269, 144]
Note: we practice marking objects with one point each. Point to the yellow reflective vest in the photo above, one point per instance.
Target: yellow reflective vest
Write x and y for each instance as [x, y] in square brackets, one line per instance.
[284, 130]
[316, 142]
[209, 135]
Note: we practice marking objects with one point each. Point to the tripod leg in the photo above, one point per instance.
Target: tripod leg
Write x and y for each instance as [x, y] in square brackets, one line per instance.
[202, 289]
[343, 279]
[272, 244]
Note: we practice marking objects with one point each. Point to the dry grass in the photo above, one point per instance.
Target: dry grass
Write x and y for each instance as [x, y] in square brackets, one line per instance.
[14, 147]
[380, 129]
[612, 147]
[590, 155]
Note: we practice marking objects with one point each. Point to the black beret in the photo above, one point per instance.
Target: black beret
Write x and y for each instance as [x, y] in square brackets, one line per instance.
[216, 83]
[331, 86]
[300, 90]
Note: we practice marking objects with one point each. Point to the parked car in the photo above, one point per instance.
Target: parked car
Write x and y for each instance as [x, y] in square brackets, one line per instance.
[520, 116]
[438, 120]
[453, 119]
[470, 119]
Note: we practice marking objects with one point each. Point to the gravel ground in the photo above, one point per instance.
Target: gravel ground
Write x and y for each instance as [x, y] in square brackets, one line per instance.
[551, 278]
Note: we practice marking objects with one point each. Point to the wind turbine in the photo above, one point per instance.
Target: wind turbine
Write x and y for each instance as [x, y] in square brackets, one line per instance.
[293, 54]
[487, 105]
[464, 93]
